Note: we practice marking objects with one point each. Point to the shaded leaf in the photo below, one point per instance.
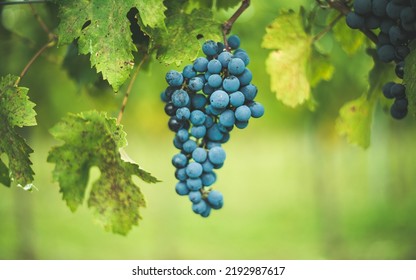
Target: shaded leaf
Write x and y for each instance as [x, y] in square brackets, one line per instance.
[103, 31]
[349, 40]
[15, 110]
[320, 68]
[93, 139]
[355, 117]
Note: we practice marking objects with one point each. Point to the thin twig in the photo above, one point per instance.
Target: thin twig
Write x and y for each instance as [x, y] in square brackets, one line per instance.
[33, 59]
[327, 28]
[344, 9]
[226, 27]
[129, 88]
[23, 2]
[41, 23]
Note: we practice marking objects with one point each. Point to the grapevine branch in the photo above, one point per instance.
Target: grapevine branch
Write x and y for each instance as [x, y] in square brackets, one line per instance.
[42, 23]
[343, 8]
[226, 27]
[327, 28]
[33, 59]
[129, 87]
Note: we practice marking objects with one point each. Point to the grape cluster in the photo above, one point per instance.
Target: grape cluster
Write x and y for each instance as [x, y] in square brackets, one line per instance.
[204, 103]
[396, 21]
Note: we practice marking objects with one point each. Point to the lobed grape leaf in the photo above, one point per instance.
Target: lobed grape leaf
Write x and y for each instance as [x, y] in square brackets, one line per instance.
[93, 139]
[287, 63]
[355, 117]
[180, 41]
[409, 78]
[15, 110]
[320, 68]
[103, 31]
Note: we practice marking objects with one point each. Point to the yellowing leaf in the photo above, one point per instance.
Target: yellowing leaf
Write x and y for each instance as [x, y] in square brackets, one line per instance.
[355, 117]
[293, 65]
[288, 79]
[354, 121]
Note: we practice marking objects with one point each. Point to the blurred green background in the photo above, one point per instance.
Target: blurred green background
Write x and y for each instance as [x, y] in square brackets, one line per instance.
[293, 188]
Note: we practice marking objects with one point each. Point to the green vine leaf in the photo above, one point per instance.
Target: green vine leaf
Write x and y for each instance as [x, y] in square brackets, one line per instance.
[103, 31]
[409, 78]
[93, 139]
[293, 62]
[15, 110]
[349, 40]
[184, 30]
[355, 117]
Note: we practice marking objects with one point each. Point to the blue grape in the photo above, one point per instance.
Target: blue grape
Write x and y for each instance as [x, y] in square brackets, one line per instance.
[233, 42]
[219, 99]
[241, 124]
[179, 160]
[214, 133]
[231, 84]
[201, 64]
[208, 89]
[198, 131]
[236, 66]
[189, 146]
[195, 196]
[188, 72]
[181, 188]
[194, 170]
[246, 77]
[183, 113]
[237, 98]
[216, 155]
[196, 84]
[354, 20]
[243, 56]
[183, 135]
[180, 174]
[210, 47]
[194, 184]
[207, 166]
[214, 66]
[256, 109]
[200, 207]
[200, 155]
[206, 212]
[208, 179]
[214, 80]
[174, 78]
[225, 58]
[242, 113]
[379, 7]
[198, 101]
[386, 53]
[227, 118]
[180, 98]
[215, 199]
[197, 117]
[362, 7]
[249, 91]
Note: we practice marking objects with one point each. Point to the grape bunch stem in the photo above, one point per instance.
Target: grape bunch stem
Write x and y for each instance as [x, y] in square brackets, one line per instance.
[228, 25]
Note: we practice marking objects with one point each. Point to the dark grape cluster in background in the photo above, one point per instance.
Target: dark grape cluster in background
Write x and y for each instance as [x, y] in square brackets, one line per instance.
[396, 22]
[205, 102]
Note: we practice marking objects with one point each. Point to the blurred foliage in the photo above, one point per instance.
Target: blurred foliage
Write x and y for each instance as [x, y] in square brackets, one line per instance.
[293, 188]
